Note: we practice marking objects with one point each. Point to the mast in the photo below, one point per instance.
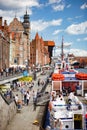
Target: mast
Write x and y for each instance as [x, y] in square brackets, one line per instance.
[62, 52]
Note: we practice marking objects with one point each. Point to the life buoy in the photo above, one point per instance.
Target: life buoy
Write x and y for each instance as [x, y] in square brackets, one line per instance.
[81, 76]
[57, 76]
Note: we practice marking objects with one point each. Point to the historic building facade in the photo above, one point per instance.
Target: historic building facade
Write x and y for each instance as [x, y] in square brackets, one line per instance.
[19, 41]
[16, 49]
[4, 45]
[39, 51]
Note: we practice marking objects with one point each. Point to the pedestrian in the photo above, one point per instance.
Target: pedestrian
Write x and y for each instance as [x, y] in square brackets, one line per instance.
[34, 100]
[16, 98]
[34, 103]
[38, 82]
[38, 93]
[28, 97]
[22, 93]
[25, 97]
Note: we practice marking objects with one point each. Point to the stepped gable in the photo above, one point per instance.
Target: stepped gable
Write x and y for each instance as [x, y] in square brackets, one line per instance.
[16, 25]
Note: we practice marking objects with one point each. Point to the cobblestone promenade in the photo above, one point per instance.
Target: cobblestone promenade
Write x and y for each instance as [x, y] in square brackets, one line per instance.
[24, 120]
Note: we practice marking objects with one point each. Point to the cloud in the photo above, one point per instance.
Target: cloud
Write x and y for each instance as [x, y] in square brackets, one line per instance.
[56, 22]
[9, 15]
[79, 16]
[11, 7]
[76, 17]
[85, 39]
[57, 31]
[75, 52]
[17, 4]
[78, 52]
[41, 24]
[68, 6]
[59, 7]
[78, 40]
[82, 39]
[76, 29]
[84, 6]
[54, 1]
[67, 44]
[70, 19]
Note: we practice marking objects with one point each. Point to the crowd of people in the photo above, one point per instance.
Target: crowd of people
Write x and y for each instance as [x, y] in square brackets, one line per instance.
[28, 92]
[10, 71]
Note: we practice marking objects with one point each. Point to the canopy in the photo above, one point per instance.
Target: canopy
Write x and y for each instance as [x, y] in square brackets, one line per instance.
[75, 63]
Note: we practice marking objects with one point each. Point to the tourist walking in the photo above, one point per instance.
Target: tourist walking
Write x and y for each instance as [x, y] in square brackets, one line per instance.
[28, 97]
[34, 100]
[38, 82]
[25, 97]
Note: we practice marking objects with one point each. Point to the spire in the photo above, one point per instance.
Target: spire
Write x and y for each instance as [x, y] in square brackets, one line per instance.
[37, 36]
[26, 10]
[26, 23]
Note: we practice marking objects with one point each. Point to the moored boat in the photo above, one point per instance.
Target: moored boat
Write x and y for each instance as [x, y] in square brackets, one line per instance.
[72, 114]
[68, 109]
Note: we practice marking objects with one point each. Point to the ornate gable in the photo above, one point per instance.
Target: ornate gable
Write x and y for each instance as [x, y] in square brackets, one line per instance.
[16, 25]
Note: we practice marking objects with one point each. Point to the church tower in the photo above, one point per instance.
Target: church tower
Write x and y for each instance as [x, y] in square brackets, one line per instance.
[26, 23]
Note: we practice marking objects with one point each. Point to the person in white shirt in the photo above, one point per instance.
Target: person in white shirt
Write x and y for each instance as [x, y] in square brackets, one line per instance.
[16, 98]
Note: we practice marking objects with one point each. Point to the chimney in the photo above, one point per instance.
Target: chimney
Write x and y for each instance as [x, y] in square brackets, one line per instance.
[0, 21]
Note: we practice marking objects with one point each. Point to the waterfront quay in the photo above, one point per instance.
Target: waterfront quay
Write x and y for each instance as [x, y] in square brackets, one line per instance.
[26, 118]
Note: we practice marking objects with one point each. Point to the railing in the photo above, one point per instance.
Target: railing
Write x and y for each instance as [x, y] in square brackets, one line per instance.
[7, 100]
[10, 78]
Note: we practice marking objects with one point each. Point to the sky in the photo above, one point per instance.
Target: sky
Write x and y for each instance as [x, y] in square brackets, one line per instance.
[53, 20]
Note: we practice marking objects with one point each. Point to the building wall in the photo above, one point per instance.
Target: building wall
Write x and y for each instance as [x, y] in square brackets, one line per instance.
[4, 45]
[82, 60]
[21, 43]
[39, 54]
[12, 49]
[7, 112]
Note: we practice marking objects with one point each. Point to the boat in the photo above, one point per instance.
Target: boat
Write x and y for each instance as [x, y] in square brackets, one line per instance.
[69, 109]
